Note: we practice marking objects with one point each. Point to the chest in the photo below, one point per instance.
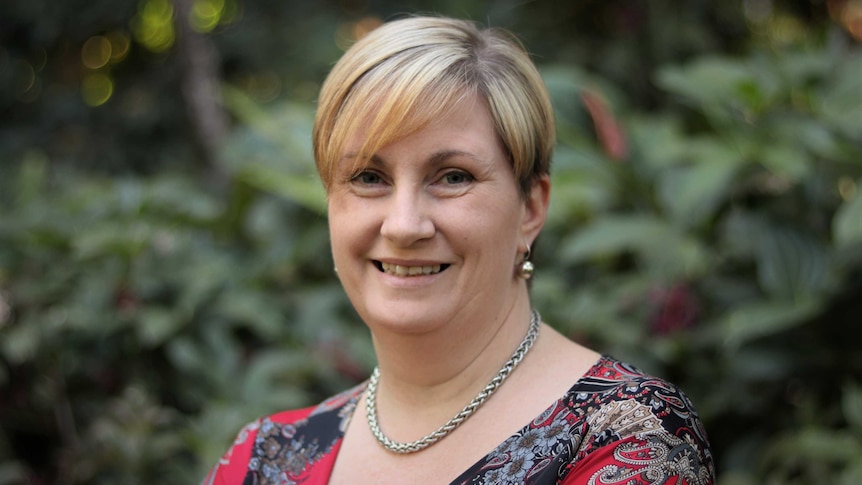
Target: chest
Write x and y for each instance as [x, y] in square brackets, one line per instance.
[485, 450]
[362, 460]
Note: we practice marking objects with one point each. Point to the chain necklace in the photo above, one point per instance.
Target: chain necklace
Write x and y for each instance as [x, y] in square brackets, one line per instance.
[469, 409]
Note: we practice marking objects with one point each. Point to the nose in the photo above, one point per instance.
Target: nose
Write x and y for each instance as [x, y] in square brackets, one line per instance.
[407, 219]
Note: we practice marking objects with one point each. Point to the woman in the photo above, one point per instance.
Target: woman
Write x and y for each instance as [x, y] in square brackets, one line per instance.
[433, 140]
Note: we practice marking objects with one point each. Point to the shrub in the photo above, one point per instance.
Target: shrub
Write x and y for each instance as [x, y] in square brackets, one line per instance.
[717, 242]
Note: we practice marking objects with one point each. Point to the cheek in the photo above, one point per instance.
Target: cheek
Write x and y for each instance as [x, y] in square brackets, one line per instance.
[348, 232]
[339, 236]
[493, 232]
[501, 219]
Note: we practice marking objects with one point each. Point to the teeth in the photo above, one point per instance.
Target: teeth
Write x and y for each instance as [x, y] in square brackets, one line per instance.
[399, 270]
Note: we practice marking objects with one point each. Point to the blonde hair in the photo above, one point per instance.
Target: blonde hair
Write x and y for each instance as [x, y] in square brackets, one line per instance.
[410, 72]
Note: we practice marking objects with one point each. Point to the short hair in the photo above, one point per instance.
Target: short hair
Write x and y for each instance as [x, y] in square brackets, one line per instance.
[410, 72]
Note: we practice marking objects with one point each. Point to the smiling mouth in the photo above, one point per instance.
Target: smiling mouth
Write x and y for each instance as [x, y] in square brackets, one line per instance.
[398, 270]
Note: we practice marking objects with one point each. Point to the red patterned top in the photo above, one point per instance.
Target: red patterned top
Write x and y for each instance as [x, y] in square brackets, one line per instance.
[616, 425]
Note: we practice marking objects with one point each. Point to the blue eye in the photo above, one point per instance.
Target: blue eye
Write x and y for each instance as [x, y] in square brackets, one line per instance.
[457, 178]
[367, 178]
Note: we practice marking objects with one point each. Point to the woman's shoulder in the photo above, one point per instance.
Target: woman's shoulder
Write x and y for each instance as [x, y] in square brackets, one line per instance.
[287, 440]
[616, 424]
[611, 382]
[627, 413]
[619, 399]
[286, 423]
[609, 371]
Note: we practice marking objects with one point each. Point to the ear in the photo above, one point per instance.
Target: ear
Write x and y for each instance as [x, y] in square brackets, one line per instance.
[535, 213]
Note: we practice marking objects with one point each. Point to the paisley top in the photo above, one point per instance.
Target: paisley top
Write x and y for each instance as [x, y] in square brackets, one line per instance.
[616, 425]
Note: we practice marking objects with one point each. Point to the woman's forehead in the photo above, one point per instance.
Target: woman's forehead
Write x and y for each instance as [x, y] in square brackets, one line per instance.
[446, 124]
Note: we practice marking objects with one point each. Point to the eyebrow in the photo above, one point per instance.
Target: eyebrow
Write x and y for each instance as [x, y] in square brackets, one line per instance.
[443, 155]
[436, 158]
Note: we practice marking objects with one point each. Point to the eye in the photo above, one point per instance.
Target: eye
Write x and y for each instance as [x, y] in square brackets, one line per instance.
[367, 178]
[457, 177]
[369, 183]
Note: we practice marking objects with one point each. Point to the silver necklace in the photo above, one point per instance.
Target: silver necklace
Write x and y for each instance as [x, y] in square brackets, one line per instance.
[469, 409]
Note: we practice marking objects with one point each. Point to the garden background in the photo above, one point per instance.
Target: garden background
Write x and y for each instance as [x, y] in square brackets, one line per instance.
[164, 267]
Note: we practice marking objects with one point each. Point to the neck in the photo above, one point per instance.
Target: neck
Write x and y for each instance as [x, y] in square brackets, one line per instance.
[435, 374]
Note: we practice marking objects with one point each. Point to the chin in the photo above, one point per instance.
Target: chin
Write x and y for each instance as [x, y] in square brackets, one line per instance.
[413, 320]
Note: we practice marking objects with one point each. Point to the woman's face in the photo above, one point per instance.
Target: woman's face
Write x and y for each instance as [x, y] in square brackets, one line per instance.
[432, 226]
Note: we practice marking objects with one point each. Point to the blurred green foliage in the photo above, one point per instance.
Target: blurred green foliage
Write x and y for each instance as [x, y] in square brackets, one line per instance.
[706, 225]
[726, 251]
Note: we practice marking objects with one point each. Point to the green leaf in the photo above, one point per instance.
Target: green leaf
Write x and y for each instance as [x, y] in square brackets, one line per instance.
[31, 177]
[801, 66]
[202, 278]
[299, 188]
[787, 162]
[841, 101]
[661, 248]
[565, 85]
[252, 309]
[805, 134]
[156, 325]
[740, 233]
[583, 184]
[759, 364]
[278, 376]
[706, 80]
[692, 193]
[819, 445]
[658, 140]
[282, 135]
[186, 354]
[847, 224]
[763, 319]
[127, 238]
[21, 342]
[611, 235]
[176, 196]
[852, 475]
[273, 151]
[791, 264]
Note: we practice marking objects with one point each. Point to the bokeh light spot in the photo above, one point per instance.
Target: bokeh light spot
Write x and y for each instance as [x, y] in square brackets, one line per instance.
[206, 14]
[785, 30]
[97, 89]
[347, 34]
[231, 12]
[119, 45]
[25, 77]
[263, 87]
[757, 11]
[847, 188]
[852, 19]
[41, 59]
[26, 83]
[96, 52]
[153, 25]
[364, 26]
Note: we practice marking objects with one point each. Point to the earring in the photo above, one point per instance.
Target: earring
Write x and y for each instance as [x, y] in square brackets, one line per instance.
[526, 268]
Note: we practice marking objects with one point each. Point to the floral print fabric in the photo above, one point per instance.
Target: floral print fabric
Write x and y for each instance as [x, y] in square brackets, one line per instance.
[615, 425]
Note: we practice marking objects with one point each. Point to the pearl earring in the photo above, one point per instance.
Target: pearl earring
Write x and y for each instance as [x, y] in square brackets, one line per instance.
[526, 268]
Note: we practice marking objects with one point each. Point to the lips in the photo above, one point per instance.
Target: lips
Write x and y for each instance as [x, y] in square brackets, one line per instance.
[403, 270]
